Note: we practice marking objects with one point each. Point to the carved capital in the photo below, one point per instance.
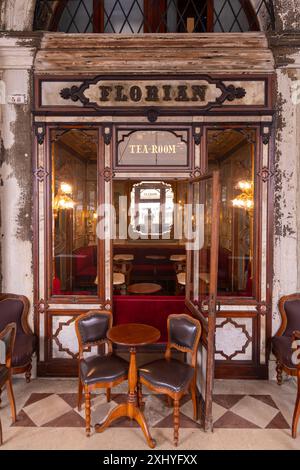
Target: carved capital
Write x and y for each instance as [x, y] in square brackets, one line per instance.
[107, 133]
[197, 134]
[265, 131]
[40, 132]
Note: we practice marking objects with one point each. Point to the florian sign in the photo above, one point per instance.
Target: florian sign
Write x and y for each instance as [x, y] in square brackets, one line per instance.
[202, 93]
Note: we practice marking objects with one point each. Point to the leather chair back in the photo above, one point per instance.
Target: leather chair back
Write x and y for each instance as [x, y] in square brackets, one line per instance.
[184, 332]
[11, 310]
[292, 310]
[92, 327]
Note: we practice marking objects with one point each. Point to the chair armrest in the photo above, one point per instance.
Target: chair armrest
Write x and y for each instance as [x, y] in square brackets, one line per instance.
[296, 335]
[8, 336]
[296, 348]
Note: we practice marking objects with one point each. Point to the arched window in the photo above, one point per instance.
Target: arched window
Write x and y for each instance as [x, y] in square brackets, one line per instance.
[153, 16]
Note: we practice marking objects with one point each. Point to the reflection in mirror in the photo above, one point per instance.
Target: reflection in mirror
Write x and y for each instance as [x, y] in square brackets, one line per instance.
[232, 151]
[74, 206]
[151, 209]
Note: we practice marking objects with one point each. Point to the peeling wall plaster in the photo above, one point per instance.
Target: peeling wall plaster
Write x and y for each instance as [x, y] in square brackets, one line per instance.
[286, 233]
[16, 189]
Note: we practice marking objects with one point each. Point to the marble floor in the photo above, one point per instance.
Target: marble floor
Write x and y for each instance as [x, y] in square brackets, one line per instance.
[247, 415]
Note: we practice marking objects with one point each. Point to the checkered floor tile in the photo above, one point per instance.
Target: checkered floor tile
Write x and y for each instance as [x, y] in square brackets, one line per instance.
[229, 411]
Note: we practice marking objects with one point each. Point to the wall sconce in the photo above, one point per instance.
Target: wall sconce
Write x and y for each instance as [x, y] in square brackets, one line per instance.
[63, 199]
[245, 200]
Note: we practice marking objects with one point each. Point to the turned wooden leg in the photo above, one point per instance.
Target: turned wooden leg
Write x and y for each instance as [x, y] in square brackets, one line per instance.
[0, 397]
[297, 409]
[176, 422]
[87, 411]
[28, 373]
[79, 394]
[140, 395]
[279, 372]
[1, 437]
[194, 399]
[169, 401]
[108, 395]
[11, 400]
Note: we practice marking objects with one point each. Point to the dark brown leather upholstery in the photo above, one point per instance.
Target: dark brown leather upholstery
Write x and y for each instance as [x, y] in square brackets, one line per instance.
[282, 348]
[171, 374]
[93, 328]
[102, 369]
[3, 374]
[183, 332]
[292, 310]
[11, 310]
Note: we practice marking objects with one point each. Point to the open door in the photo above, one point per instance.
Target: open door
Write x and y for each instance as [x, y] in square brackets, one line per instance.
[202, 277]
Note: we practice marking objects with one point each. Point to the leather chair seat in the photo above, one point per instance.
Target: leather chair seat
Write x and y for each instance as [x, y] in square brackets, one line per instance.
[3, 374]
[282, 348]
[171, 374]
[97, 369]
[23, 350]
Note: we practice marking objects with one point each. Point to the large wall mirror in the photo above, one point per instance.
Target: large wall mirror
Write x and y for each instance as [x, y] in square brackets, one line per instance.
[74, 211]
[232, 151]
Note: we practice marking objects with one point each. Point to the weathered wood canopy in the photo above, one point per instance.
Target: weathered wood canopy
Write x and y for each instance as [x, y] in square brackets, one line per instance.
[83, 54]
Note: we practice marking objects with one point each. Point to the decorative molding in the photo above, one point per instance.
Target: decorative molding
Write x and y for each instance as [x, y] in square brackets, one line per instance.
[42, 306]
[244, 331]
[231, 93]
[57, 341]
[40, 132]
[265, 174]
[152, 115]
[197, 134]
[107, 133]
[196, 172]
[107, 174]
[262, 308]
[40, 174]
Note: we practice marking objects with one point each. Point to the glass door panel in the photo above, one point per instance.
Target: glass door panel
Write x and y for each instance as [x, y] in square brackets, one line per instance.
[202, 268]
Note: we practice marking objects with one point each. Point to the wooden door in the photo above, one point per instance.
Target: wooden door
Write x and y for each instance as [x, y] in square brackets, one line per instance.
[201, 282]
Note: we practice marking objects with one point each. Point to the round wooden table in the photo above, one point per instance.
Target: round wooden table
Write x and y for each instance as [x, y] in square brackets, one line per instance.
[144, 288]
[131, 335]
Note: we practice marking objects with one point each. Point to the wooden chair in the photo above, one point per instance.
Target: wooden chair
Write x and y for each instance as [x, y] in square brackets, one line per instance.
[284, 346]
[15, 308]
[170, 376]
[97, 371]
[8, 336]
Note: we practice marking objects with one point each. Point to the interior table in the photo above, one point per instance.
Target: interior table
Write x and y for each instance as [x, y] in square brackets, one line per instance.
[131, 335]
[144, 288]
[125, 260]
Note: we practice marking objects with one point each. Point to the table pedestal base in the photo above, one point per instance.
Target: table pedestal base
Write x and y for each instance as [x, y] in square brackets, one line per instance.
[131, 411]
